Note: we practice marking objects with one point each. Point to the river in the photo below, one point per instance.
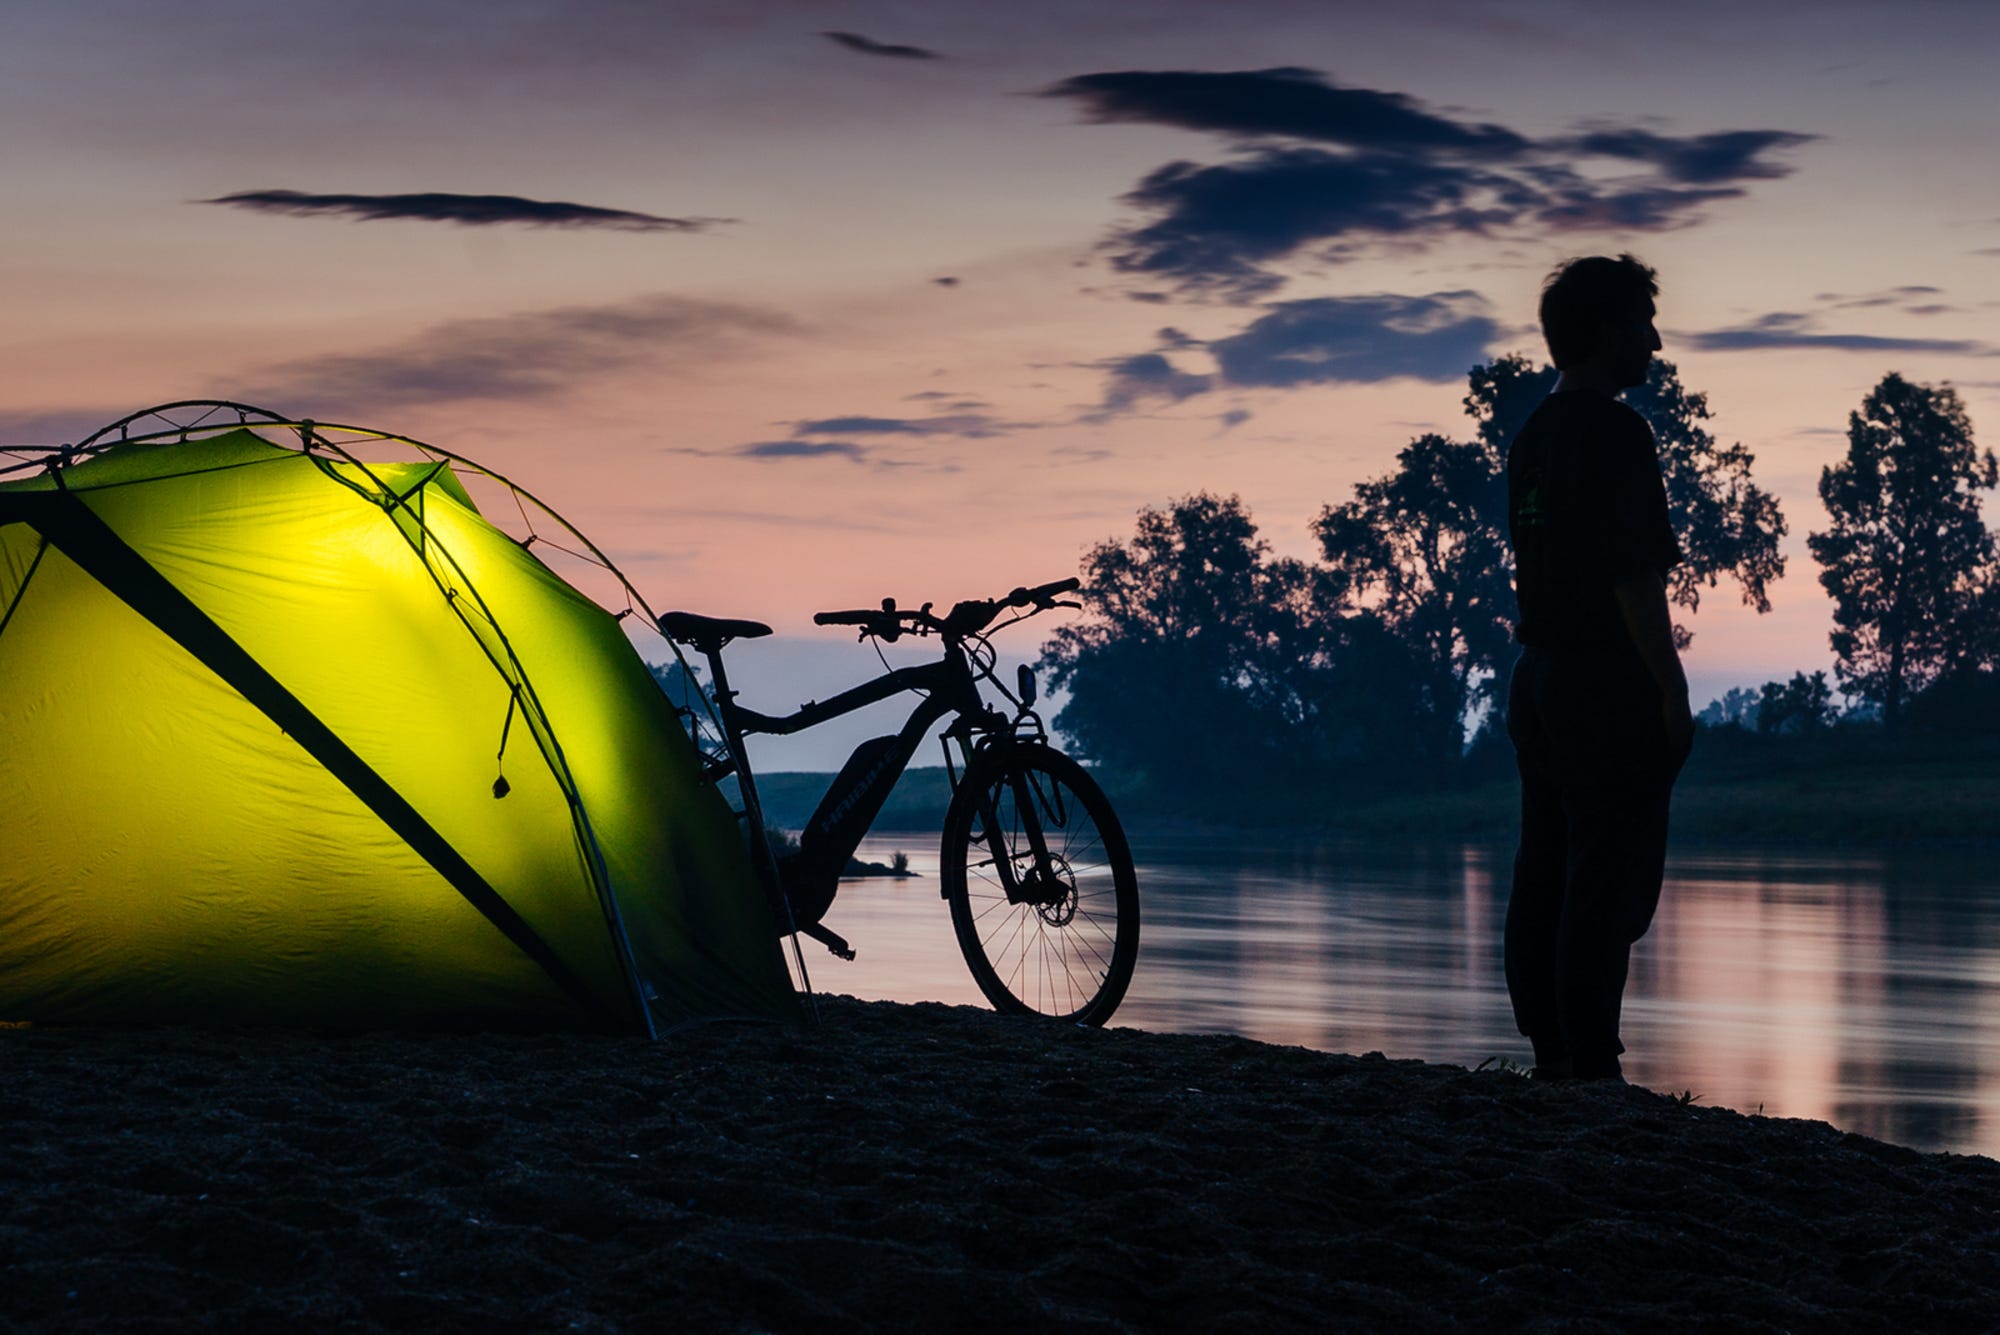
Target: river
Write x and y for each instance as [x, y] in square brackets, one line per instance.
[1851, 986]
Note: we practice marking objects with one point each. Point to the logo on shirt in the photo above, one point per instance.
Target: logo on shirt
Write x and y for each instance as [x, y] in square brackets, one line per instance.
[1530, 513]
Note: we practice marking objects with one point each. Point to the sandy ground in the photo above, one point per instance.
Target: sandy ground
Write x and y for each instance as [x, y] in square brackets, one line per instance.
[937, 1169]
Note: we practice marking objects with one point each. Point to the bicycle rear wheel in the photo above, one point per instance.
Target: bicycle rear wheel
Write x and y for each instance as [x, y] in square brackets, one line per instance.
[1056, 937]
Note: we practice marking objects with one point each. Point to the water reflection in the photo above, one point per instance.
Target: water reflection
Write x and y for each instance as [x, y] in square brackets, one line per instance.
[1851, 988]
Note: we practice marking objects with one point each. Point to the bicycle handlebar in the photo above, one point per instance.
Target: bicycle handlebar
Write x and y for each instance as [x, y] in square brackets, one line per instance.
[966, 618]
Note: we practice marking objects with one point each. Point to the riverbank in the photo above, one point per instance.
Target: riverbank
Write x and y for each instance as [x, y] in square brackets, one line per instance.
[926, 1168]
[1738, 789]
[1741, 789]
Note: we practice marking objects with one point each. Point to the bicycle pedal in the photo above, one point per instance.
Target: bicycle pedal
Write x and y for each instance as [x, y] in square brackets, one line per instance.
[835, 943]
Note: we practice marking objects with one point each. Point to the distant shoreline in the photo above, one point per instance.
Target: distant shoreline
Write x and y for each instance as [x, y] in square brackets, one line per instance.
[1738, 791]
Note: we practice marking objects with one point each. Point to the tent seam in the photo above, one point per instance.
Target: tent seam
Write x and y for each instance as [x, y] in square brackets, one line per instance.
[62, 485]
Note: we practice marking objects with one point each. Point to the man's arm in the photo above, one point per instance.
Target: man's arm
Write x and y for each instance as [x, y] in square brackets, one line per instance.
[1642, 601]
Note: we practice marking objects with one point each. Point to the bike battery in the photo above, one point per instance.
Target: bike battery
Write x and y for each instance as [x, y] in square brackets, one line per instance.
[851, 804]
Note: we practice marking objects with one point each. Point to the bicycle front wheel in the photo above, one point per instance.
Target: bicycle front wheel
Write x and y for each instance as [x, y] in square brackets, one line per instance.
[1043, 895]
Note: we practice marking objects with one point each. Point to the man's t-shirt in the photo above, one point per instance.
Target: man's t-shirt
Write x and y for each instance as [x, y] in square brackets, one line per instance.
[1586, 510]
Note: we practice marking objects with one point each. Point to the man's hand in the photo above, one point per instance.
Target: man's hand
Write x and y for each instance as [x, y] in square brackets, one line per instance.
[1642, 600]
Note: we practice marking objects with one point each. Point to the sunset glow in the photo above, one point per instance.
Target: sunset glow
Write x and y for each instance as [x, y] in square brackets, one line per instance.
[788, 321]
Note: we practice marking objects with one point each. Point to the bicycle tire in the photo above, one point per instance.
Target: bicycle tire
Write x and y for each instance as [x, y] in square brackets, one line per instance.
[1071, 956]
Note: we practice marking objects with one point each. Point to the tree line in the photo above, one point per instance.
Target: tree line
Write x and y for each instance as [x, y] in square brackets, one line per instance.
[1208, 667]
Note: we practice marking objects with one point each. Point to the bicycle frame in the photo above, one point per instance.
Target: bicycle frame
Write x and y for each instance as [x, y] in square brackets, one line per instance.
[947, 687]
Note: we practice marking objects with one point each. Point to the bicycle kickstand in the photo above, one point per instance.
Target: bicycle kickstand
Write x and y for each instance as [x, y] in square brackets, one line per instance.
[833, 941]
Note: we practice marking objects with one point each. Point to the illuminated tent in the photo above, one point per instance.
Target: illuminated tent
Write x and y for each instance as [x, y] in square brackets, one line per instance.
[286, 736]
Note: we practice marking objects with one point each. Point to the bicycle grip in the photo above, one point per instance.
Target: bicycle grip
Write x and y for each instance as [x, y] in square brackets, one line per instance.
[1041, 593]
[862, 617]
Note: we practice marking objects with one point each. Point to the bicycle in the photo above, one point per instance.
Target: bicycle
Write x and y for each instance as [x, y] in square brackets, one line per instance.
[1036, 870]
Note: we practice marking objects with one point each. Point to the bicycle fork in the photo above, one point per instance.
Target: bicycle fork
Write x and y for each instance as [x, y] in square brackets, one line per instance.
[1044, 887]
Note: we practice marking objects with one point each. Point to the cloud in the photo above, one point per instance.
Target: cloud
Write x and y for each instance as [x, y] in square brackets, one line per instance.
[1318, 341]
[954, 400]
[1322, 171]
[808, 438]
[1643, 209]
[800, 449]
[1885, 297]
[1788, 329]
[946, 281]
[868, 46]
[1147, 376]
[1328, 340]
[969, 426]
[1904, 298]
[1701, 159]
[1219, 226]
[535, 354]
[1286, 102]
[465, 210]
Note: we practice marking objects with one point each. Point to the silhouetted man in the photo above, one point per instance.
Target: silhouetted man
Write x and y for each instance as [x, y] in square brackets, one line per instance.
[1598, 706]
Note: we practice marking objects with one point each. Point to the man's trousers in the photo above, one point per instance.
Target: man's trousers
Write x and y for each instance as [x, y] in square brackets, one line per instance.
[1596, 773]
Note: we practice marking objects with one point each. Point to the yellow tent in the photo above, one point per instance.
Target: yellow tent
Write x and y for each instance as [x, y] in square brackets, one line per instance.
[286, 736]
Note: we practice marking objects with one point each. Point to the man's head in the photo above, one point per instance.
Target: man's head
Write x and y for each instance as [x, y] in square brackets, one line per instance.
[1597, 315]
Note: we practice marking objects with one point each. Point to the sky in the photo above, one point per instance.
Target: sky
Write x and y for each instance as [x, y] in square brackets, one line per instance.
[797, 304]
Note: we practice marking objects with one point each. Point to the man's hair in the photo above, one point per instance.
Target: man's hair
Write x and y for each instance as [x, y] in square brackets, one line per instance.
[1582, 294]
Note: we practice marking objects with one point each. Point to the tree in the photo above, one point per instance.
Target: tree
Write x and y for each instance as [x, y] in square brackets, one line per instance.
[1425, 547]
[1736, 709]
[1905, 554]
[1501, 395]
[1173, 673]
[1796, 707]
[682, 686]
[1959, 705]
[1208, 669]
[1727, 524]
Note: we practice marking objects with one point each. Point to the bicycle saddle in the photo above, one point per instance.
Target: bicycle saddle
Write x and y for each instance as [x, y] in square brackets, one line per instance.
[709, 633]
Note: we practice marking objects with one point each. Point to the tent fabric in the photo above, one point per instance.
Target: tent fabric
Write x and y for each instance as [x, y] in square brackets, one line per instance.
[252, 710]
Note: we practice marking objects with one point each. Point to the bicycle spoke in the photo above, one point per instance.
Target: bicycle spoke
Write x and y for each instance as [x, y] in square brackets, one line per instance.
[1049, 980]
[1103, 963]
[1020, 925]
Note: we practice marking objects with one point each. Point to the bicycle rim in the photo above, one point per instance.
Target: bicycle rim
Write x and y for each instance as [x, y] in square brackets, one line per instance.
[1067, 950]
